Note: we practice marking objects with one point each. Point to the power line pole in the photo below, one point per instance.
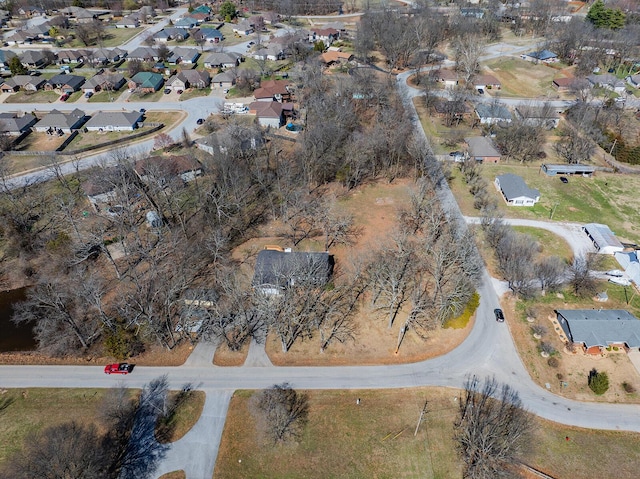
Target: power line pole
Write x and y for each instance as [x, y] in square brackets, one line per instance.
[424, 410]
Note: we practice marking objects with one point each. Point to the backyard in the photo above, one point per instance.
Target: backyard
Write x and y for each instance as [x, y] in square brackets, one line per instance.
[521, 78]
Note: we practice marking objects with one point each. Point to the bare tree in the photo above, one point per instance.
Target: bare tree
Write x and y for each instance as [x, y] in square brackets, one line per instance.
[550, 272]
[492, 428]
[581, 278]
[515, 253]
[284, 412]
[59, 452]
[468, 49]
[574, 147]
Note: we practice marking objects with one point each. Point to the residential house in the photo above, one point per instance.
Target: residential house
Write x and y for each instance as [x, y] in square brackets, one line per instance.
[183, 55]
[189, 79]
[199, 17]
[103, 56]
[100, 188]
[186, 22]
[243, 28]
[272, 90]
[563, 84]
[22, 82]
[146, 82]
[544, 56]
[486, 82]
[634, 80]
[225, 79]
[333, 57]
[604, 240]
[482, 149]
[79, 14]
[209, 35]
[144, 54]
[268, 113]
[493, 113]
[34, 59]
[171, 33]
[628, 260]
[202, 9]
[57, 121]
[31, 11]
[608, 82]
[277, 268]
[597, 329]
[128, 22]
[515, 191]
[448, 78]
[270, 52]
[65, 83]
[222, 60]
[5, 58]
[557, 169]
[538, 116]
[114, 121]
[242, 140]
[472, 12]
[19, 38]
[71, 56]
[104, 82]
[14, 124]
[325, 35]
[271, 18]
[40, 32]
[146, 14]
[165, 169]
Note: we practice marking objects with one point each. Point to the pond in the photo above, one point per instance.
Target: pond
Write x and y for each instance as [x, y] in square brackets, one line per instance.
[12, 337]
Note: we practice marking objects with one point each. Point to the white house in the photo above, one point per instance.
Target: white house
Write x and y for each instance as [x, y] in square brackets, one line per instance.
[515, 191]
[114, 121]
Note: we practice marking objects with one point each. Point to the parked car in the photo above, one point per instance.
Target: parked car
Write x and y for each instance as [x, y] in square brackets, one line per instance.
[499, 315]
[564, 179]
[143, 110]
[89, 94]
[118, 368]
[180, 92]
[64, 97]
[200, 121]
[167, 91]
[481, 91]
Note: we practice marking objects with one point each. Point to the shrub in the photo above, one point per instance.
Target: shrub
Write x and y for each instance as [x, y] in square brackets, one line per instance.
[547, 348]
[122, 343]
[553, 362]
[598, 382]
[628, 387]
[469, 310]
[560, 376]
[539, 329]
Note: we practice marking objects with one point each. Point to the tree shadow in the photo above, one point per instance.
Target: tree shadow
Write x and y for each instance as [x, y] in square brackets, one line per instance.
[5, 402]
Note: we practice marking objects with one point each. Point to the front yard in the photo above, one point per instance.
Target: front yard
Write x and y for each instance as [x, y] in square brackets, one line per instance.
[40, 96]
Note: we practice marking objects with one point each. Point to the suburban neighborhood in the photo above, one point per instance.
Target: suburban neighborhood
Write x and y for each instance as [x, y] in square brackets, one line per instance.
[304, 239]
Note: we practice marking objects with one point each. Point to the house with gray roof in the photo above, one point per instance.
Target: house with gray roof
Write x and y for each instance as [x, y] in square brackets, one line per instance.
[104, 81]
[597, 329]
[56, 121]
[278, 268]
[184, 55]
[544, 56]
[482, 149]
[189, 79]
[538, 116]
[114, 121]
[209, 35]
[5, 58]
[65, 83]
[128, 22]
[607, 81]
[22, 82]
[225, 79]
[515, 191]
[34, 59]
[186, 22]
[492, 113]
[604, 240]
[222, 60]
[144, 54]
[633, 80]
[16, 124]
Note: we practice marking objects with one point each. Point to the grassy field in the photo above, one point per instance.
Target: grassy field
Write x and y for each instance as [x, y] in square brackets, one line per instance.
[522, 78]
[114, 37]
[606, 198]
[375, 440]
[26, 411]
[550, 243]
[33, 97]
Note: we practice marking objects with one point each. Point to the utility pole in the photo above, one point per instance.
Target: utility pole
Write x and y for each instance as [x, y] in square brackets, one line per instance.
[424, 410]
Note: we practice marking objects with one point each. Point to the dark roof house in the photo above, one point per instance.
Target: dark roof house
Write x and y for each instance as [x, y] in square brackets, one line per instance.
[14, 124]
[515, 191]
[278, 268]
[597, 329]
[61, 121]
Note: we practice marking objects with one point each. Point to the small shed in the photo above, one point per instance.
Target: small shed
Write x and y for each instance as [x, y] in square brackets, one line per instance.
[553, 170]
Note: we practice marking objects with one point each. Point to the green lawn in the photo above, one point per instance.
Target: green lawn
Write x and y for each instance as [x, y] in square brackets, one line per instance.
[606, 198]
[195, 92]
[105, 96]
[33, 97]
[550, 243]
[155, 96]
[522, 78]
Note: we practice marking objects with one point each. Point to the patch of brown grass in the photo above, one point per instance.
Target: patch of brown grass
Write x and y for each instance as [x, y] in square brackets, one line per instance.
[225, 357]
[174, 475]
[183, 418]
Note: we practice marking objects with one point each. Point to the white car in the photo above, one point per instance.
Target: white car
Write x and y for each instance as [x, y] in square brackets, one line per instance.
[615, 273]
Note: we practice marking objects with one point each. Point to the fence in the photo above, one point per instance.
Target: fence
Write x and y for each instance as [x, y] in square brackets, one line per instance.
[154, 127]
